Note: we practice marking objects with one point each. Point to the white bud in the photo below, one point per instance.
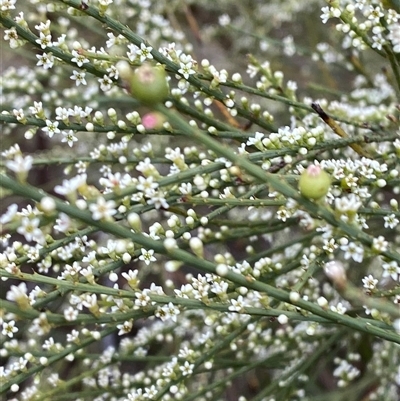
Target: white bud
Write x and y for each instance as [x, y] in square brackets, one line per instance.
[189, 220]
[47, 204]
[81, 204]
[396, 326]
[196, 245]
[121, 124]
[236, 77]
[170, 243]
[43, 360]
[96, 335]
[322, 302]
[204, 221]
[126, 258]
[124, 69]
[111, 112]
[222, 269]
[113, 277]
[282, 319]
[335, 272]
[381, 183]
[89, 127]
[135, 222]
[172, 265]
[14, 388]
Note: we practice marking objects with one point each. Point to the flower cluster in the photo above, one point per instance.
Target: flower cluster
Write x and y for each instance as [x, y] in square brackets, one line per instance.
[180, 247]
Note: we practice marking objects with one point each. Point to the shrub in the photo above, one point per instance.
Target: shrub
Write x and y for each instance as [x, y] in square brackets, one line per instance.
[160, 244]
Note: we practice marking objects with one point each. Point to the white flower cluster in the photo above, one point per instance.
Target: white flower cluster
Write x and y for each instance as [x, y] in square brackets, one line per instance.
[168, 250]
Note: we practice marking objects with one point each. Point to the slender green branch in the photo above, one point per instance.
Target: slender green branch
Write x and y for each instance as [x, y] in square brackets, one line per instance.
[27, 191]
[30, 372]
[32, 39]
[276, 181]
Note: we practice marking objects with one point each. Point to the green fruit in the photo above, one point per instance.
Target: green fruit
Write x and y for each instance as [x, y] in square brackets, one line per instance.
[149, 84]
[314, 183]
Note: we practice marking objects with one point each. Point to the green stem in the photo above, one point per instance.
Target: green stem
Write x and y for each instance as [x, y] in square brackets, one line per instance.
[30, 372]
[358, 324]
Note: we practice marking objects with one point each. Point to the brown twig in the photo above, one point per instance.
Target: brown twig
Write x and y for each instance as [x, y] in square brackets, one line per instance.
[338, 130]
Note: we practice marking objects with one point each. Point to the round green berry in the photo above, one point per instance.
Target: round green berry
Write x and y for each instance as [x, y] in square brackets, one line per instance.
[149, 84]
[314, 183]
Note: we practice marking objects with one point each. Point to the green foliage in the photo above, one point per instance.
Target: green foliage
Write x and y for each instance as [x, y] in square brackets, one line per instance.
[171, 242]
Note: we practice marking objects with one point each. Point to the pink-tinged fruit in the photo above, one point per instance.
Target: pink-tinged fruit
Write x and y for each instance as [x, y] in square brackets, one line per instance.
[314, 183]
[153, 120]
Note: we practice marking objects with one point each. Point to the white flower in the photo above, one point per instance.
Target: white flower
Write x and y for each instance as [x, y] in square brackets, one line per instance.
[157, 199]
[353, 251]
[144, 52]
[166, 312]
[346, 372]
[29, 228]
[44, 40]
[17, 293]
[379, 244]
[237, 305]
[69, 137]
[339, 309]
[37, 109]
[46, 60]
[6, 5]
[105, 83]
[78, 77]
[43, 26]
[330, 245]
[51, 128]
[60, 41]
[256, 141]
[186, 69]
[12, 36]
[187, 368]
[391, 269]
[347, 204]
[102, 209]
[70, 314]
[329, 12]
[224, 19]
[369, 282]
[78, 58]
[9, 328]
[146, 185]
[62, 114]
[394, 36]
[142, 298]
[69, 187]
[147, 256]
[125, 328]
[131, 278]
[391, 221]
[20, 164]
[9, 214]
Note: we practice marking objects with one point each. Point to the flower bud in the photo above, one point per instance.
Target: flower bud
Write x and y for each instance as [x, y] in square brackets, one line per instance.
[336, 273]
[135, 221]
[314, 183]
[196, 245]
